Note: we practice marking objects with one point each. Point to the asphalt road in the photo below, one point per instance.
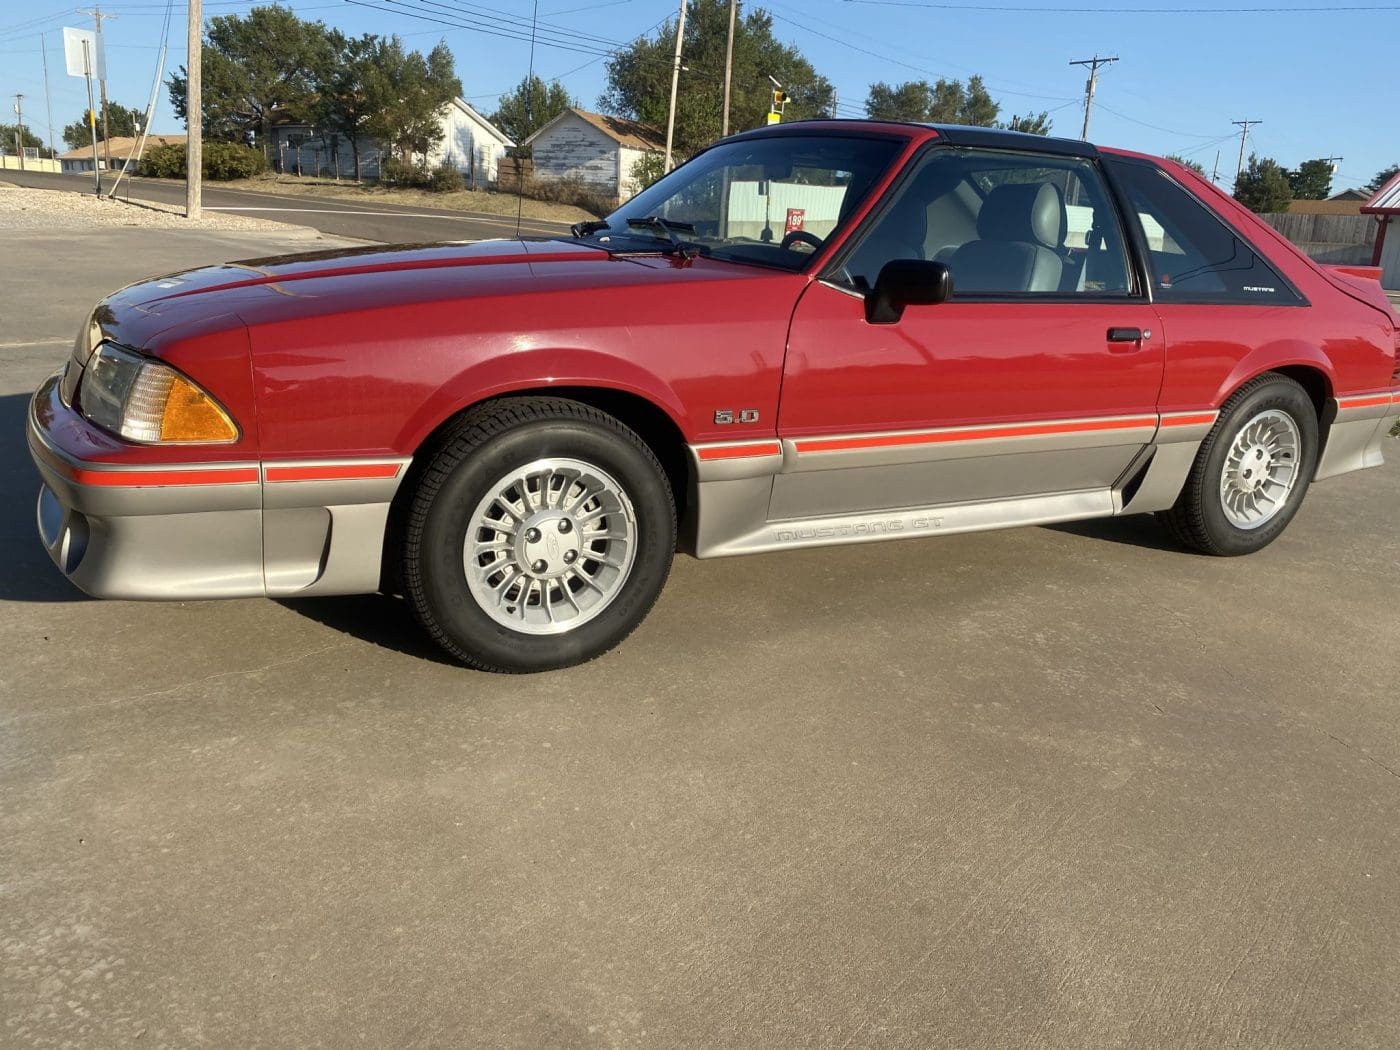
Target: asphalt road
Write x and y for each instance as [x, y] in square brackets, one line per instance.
[1063, 787]
[338, 217]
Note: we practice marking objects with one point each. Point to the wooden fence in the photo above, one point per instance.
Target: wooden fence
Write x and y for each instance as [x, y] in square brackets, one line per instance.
[510, 170]
[1328, 238]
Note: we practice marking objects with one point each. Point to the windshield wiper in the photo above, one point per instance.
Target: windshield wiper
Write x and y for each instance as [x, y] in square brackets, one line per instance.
[583, 229]
[669, 228]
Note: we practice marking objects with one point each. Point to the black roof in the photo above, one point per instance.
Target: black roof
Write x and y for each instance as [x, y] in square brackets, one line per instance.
[954, 134]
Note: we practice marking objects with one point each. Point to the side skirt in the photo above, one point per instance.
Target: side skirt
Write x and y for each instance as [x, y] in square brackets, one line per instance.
[736, 486]
[725, 506]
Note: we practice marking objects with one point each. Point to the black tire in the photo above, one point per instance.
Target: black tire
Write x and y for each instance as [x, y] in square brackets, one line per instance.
[482, 447]
[1198, 520]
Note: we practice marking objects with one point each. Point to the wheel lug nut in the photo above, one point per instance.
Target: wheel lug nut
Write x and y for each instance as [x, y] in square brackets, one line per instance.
[540, 566]
[564, 525]
[570, 557]
[532, 535]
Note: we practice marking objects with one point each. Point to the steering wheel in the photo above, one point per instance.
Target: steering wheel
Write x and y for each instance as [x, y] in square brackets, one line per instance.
[801, 235]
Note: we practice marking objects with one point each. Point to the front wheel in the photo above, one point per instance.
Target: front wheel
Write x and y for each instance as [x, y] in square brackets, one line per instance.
[539, 536]
[1251, 472]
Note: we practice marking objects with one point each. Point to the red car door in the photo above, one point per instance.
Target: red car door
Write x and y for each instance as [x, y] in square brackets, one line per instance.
[1040, 376]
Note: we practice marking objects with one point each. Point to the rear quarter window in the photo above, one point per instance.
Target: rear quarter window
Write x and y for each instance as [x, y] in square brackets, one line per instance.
[1194, 256]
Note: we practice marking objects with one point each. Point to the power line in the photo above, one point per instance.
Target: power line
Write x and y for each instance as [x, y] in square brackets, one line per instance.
[908, 65]
[1346, 8]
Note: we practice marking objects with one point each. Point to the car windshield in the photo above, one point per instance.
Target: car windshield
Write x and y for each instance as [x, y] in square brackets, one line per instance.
[771, 201]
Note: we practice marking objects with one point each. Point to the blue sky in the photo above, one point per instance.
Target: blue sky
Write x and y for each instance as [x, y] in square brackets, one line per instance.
[1322, 81]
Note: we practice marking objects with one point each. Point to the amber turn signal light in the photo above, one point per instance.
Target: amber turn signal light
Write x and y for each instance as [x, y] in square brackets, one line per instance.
[192, 415]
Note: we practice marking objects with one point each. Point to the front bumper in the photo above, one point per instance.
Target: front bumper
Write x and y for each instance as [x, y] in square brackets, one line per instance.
[192, 530]
[173, 531]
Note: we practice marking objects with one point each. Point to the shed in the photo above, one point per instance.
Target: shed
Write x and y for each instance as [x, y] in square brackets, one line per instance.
[1384, 206]
[595, 149]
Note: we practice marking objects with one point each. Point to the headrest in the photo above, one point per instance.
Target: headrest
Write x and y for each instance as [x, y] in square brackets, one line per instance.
[1033, 212]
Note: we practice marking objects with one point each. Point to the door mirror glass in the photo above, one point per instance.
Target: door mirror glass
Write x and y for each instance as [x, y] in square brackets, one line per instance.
[907, 282]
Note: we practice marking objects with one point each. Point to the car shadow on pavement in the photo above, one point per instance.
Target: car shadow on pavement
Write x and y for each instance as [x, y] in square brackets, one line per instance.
[26, 573]
[1133, 530]
[375, 618]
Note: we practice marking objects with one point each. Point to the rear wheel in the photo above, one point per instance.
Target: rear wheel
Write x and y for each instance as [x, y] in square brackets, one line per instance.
[538, 537]
[1252, 470]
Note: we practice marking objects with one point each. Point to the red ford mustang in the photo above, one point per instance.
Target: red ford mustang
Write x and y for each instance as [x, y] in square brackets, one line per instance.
[814, 334]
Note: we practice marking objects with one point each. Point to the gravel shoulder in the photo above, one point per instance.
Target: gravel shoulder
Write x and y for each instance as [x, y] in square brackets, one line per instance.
[481, 201]
[22, 208]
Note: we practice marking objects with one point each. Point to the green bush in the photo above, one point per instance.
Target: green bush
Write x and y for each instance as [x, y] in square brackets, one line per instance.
[398, 172]
[164, 162]
[647, 170]
[571, 191]
[446, 179]
[221, 161]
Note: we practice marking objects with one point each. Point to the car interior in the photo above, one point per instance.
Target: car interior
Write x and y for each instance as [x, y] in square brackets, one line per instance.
[1000, 230]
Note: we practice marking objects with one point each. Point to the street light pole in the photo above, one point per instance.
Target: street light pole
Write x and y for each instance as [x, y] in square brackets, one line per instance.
[675, 85]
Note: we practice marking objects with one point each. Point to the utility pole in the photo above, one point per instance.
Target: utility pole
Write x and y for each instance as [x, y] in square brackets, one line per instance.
[1244, 126]
[675, 85]
[19, 129]
[97, 16]
[48, 101]
[194, 109]
[728, 67]
[1091, 86]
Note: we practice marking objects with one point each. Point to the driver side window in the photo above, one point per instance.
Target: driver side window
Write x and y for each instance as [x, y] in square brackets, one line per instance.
[1005, 224]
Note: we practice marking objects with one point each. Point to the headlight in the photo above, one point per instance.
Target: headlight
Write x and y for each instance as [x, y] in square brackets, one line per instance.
[144, 400]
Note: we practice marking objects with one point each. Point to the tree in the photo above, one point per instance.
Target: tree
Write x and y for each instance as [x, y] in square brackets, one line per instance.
[344, 84]
[942, 102]
[639, 77]
[121, 120]
[7, 138]
[257, 67]
[529, 107]
[1382, 177]
[406, 92]
[948, 102]
[1031, 124]
[1263, 186]
[1194, 165]
[1312, 181]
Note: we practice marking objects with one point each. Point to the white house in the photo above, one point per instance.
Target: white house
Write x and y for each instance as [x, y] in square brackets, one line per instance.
[470, 143]
[120, 147]
[595, 149]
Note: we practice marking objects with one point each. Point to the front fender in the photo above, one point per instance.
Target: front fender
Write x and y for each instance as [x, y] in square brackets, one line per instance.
[535, 370]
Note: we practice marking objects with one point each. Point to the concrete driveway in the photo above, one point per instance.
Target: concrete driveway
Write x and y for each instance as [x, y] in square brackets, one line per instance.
[1048, 788]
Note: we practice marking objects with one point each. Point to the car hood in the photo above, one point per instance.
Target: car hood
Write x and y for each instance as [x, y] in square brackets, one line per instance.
[252, 291]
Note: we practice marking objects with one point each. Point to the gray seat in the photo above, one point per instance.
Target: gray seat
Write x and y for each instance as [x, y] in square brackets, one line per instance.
[1021, 234]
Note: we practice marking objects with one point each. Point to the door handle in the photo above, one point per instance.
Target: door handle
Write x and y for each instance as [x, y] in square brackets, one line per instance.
[1127, 335]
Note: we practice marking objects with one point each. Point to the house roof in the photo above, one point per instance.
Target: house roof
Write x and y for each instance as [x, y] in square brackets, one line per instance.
[625, 132]
[1349, 195]
[1386, 200]
[122, 146]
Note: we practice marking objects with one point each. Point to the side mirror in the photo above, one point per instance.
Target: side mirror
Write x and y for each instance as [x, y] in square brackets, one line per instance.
[907, 282]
